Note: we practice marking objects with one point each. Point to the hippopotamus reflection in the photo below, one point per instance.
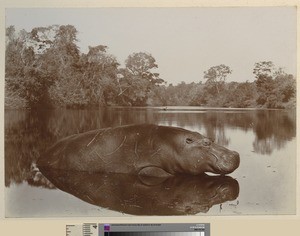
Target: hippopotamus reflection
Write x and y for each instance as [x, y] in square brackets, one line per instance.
[142, 150]
[144, 195]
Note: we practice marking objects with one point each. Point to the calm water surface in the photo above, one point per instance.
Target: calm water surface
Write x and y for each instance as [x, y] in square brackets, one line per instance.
[265, 140]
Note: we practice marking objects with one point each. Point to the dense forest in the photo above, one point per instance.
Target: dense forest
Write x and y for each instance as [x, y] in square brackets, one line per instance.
[44, 68]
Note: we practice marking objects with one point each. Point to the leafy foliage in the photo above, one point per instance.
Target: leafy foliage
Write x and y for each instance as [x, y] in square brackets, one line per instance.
[137, 79]
[216, 76]
[263, 68]
[45, 68]
[276, 89]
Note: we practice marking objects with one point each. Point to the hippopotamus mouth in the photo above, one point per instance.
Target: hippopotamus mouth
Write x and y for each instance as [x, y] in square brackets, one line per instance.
[224, 162]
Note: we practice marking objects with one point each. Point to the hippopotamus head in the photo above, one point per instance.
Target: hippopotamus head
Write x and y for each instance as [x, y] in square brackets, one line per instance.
[195, 153]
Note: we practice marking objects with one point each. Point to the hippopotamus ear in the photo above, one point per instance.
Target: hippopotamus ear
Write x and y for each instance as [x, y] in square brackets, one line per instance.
[207, 142]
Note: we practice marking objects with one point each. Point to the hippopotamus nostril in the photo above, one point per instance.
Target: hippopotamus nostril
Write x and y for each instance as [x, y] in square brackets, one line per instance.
[228, 162]
[230, 156]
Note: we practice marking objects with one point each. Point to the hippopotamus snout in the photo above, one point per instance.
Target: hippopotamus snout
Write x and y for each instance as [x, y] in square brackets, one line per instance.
[227, 162]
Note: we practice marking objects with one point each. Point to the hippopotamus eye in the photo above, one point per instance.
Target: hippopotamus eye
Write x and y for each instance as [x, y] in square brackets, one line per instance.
[189, 140]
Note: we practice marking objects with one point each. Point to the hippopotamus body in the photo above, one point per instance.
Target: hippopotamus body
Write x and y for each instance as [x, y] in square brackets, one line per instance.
[146, 149]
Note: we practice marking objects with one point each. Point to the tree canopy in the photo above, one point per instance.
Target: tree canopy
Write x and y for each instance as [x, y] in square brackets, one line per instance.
[216, 76]
[45, 68]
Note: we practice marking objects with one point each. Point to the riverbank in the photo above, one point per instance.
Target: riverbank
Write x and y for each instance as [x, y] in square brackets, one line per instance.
[15, 102]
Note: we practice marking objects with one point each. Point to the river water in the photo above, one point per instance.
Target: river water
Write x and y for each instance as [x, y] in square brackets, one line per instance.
[265, 182]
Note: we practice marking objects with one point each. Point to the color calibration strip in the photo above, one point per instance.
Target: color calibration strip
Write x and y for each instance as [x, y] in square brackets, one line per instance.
[202, 233]
[94, 229]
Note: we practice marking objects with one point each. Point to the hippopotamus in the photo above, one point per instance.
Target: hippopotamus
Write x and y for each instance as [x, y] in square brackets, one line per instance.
[145, 195]
[144, 149]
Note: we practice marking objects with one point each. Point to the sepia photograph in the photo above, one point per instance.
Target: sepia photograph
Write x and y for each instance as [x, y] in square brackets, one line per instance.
[117, 112]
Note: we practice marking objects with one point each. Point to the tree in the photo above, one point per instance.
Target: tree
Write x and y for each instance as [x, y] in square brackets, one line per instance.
[276, 89]
[140, 63]
[61, 63]
[263, 68]
[242, 95]
[100, 75]
[285, 85]
[265, 88]
[137, 79]
[21, 73]
[216, 76]
[36, 60]
[17, 55]
[64, 50]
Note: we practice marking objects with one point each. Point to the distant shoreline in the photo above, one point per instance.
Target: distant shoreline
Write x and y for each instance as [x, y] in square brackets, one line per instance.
[168, 109]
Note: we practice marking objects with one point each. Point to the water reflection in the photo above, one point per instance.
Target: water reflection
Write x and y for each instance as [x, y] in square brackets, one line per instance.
[26, 136]
[272, 131]
[182, 195]
[29, 133]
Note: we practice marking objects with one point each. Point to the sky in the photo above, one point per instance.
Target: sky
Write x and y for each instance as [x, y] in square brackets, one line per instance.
[184, 41]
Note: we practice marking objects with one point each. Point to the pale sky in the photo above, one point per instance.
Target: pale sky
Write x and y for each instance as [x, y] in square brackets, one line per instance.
[184, 41]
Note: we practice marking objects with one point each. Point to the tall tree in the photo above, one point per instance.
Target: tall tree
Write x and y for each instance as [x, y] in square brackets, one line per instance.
[100, 75]
[140, 63]
[137, 78]
[263, 68]
[285, 85]
[34, 61]
[216, 76]
[17, 55]
[61, 63]
[276, 89]
[20, 68]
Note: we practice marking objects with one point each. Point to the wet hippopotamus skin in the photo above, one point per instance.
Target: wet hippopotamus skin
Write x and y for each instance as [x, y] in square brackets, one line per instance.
[145, 149]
